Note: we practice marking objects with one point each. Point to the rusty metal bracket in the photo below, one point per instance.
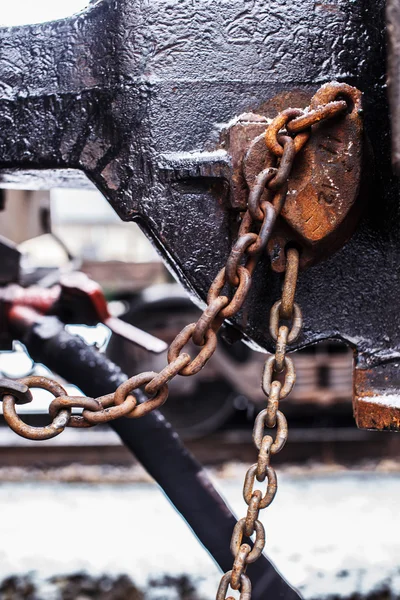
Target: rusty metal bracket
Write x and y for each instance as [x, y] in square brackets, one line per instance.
[324, 199]
[376, 398]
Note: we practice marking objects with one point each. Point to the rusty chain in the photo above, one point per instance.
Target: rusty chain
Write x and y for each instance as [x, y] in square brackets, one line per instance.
[285, 137]
[277, 382]
[285, 326]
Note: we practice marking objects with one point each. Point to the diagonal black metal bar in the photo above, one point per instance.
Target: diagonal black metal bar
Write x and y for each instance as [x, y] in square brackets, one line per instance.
[157, 446]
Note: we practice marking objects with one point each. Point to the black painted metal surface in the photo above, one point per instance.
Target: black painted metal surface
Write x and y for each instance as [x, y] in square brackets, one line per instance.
[157, 446]
[123, 89]
[393, 60]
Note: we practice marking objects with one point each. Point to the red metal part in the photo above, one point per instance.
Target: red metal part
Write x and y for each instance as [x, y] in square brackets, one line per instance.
[85, 301]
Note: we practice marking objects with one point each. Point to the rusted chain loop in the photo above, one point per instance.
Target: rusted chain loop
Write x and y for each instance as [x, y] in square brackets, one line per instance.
[237, 538]
[249, 481]
[44, 383]
[264, 456]
[36, 433]
[297, 322]
[257, 191]
[127, 387]
[332, 91]
[268, 373]
[110, 414]
[239, 296]
[239, 565]
[20, 391]
[236, 255]
[208, 320]
[246, 224]
[78, 421]
[280, 350]
[270, 215]
[289, 284]
[207, 350]
[285, 163]
[27, 431]
[316, 115]
[245, 587]
[252, 512]
[281, 431]
[280, 121]
[168, 373]
[73, 402]
[273, 403]
[279, 198]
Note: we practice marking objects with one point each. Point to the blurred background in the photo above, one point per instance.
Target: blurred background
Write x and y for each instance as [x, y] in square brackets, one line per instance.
[83, 518]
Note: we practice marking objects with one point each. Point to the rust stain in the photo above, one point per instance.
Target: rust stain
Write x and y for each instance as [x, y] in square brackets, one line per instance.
[370, 414]
[324, 183]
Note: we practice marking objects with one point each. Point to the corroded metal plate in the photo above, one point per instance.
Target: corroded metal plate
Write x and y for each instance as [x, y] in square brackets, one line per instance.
[320, 209]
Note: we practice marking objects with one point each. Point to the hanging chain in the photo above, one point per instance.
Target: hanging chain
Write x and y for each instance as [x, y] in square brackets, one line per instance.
[285, 137]
[279, 375]
[277, 382]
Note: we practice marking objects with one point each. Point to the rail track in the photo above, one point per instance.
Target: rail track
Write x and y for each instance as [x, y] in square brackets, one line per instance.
[343, 445]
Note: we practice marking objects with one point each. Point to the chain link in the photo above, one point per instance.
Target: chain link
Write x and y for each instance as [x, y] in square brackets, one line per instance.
[285, 136]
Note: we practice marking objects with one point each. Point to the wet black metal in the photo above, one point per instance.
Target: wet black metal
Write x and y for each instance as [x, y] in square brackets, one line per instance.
[167, 460]
[393, 60]
[134, 95]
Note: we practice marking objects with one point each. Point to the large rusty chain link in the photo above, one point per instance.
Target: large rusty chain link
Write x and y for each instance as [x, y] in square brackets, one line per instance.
[285, 136]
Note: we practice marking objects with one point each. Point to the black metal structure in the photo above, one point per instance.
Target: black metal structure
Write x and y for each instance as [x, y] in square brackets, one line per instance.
[134, 94]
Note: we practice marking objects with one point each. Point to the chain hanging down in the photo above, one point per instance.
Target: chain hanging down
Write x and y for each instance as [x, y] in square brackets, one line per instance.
[277, 383]
[285, 327]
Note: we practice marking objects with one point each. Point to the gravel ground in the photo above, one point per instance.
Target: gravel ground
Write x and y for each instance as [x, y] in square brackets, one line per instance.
[333, 534]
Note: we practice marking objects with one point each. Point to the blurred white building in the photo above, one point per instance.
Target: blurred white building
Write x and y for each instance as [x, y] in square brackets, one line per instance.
[91, 229]
[23, 12]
